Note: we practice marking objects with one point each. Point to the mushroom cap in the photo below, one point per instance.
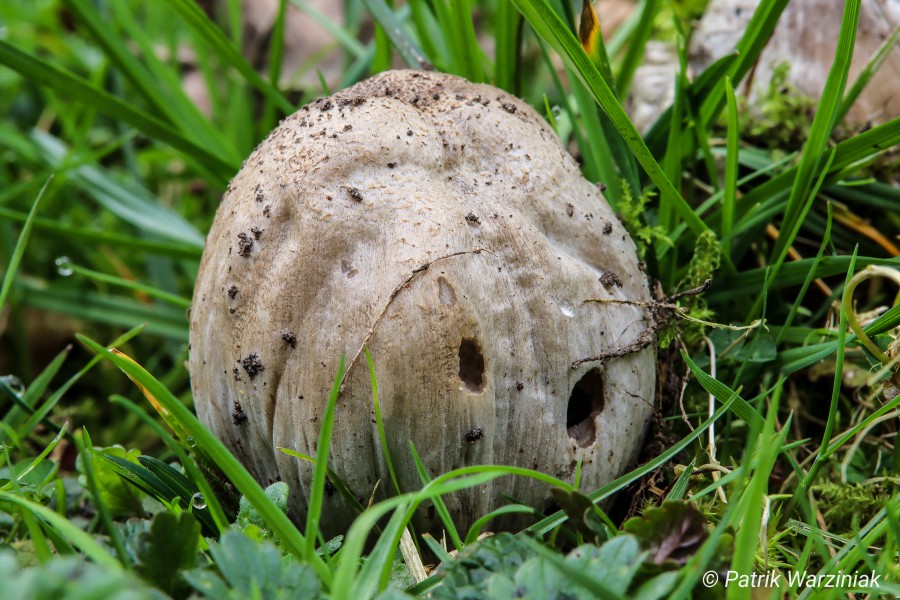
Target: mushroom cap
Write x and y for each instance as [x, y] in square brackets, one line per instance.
[806, 38]
[440, 224]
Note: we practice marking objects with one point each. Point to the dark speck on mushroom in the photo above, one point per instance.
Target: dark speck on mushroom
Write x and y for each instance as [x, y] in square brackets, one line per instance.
[610, 278]
[232, 292]
[409, 132]
[289, 338]
[355, 194]
[252, 364]
[472, 218]
[510, 108]
[475, 434]
[238, 416]
[245, 244]
[256, 231]
[607, 228]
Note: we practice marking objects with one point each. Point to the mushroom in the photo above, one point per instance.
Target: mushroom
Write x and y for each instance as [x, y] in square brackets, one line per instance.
[806, 38]
[440, 224]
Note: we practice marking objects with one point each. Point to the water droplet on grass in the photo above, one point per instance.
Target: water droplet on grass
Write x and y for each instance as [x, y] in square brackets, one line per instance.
[14, 384]
[64, 266]
[198, 501]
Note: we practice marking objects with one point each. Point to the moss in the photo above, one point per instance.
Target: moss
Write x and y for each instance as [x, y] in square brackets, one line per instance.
[633, 214]
[845, 506]
[782, 115]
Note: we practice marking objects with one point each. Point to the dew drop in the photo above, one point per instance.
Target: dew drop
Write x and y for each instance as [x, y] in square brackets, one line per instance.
[64, 266]
[567, 308]
[198, 501]
[191, 441]
[14, 384]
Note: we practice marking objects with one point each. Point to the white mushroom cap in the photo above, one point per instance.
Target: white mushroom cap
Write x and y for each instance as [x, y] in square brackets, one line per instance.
[318, 249]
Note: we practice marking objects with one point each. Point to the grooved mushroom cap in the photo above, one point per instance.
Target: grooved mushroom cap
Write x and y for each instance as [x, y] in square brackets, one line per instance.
[440, 224]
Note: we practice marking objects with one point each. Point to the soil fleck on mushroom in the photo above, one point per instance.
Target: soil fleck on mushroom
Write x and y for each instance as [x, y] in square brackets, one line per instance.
[236, 373]
[472, 218]
[610, 278]
[570, 209]
[267, 210]
[252, 364]
[475, 434]
[238, 416]
[256, 231]
[510, 108]
[520, 386]
[259, 194]
[245, 244]
[607, 228]
[355, 194]
[232, 292]
[289, 338]
[354, 101]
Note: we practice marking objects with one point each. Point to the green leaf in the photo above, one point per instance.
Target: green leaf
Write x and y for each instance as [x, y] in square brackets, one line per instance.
[71, 578]
[169, 547]
[248, 516]
[247, 569]
[122, 499]
[478, 563]
[672, 532]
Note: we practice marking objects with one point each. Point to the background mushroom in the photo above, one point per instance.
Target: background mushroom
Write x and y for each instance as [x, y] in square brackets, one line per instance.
[440, 224]
[805, 38]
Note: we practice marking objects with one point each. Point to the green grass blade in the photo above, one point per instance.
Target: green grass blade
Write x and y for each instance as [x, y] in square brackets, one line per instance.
[508, 40]
[84, 541]
[682, 483]
[15, 416]
[636, 45]
[865, 76]
[814, 154]
[85, 450]
[722, 392]
[291, 539]
[748, 49]
[160, 87]
[555, 520]
[548, 25]
[132, 285]
[470, 53]
[74, 88]
[10, 274]
[317, 487]
[343, 37]
[379, 423]
[225, 49]
[406, 47]
[731, 166]
[439, 504]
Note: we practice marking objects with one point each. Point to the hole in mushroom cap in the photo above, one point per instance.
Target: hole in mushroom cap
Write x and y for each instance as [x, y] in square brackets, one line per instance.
[471, 365]
[585, 403]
